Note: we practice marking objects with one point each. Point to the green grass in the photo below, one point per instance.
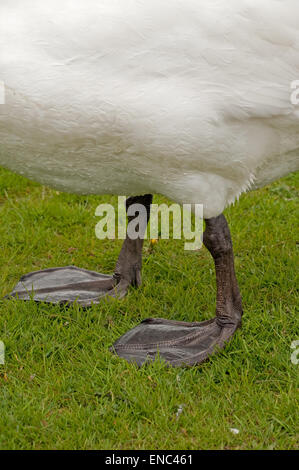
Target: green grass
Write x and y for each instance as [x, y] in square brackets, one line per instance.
[61, 388]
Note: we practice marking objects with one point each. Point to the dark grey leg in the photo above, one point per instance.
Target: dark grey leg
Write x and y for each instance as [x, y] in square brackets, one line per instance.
[70, 284]
[129, 263]
[217, 240]
[182, 343]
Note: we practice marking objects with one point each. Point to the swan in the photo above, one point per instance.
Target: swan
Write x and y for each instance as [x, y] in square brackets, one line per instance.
[191, 99]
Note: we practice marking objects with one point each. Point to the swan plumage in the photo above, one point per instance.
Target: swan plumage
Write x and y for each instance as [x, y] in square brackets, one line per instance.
[187, 98]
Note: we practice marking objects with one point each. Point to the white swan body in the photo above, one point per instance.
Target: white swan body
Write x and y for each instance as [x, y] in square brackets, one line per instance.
[188, 98]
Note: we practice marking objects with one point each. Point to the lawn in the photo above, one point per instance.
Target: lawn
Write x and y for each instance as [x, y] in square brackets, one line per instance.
[61, 388]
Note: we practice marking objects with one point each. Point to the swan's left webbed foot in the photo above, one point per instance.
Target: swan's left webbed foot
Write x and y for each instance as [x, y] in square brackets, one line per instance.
[182, 343]
[71, 284]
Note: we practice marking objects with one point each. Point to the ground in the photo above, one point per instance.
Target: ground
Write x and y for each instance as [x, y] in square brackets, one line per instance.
[61, 388]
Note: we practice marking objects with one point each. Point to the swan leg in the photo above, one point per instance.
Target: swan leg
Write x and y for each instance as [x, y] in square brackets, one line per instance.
[71, 284]
[129, 263]
[182, 343]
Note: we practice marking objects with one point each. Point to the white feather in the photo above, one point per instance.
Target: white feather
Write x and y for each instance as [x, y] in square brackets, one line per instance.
[188, 98]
